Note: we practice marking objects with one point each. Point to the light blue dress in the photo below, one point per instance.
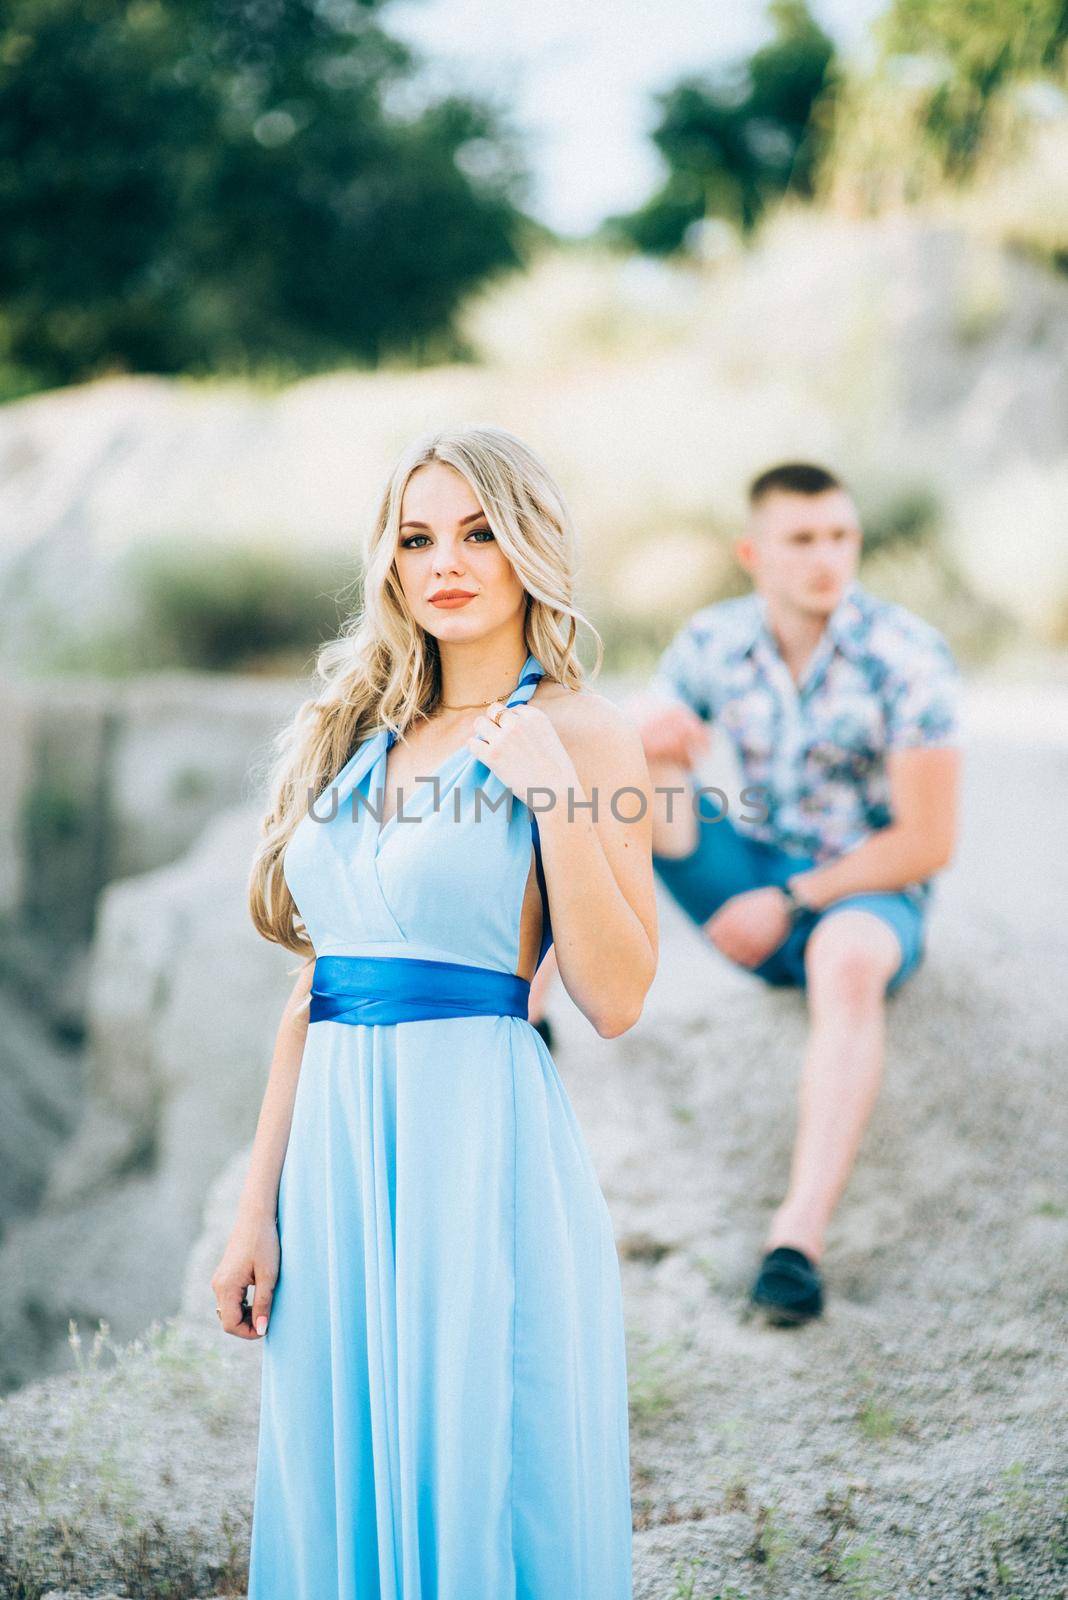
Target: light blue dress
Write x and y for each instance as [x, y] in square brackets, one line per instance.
[444, 1401]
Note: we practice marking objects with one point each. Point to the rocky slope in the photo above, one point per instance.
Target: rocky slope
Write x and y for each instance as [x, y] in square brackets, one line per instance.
[913, 1443]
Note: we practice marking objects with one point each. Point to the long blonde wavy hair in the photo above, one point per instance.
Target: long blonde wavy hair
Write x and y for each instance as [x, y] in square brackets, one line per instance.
[384, 670]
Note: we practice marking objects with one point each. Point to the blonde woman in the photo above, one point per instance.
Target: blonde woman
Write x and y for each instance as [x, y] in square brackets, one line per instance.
[444, 1403]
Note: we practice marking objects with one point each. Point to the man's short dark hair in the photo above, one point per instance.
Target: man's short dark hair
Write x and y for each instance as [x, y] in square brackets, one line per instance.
[794, 477]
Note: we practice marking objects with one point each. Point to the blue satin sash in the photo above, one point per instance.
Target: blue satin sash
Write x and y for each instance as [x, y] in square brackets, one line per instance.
[371, 989]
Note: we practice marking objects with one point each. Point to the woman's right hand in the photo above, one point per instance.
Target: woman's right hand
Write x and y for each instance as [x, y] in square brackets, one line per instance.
[251, 1257]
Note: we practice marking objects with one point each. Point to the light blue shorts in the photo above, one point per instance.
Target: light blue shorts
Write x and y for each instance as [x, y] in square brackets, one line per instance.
[727, 862]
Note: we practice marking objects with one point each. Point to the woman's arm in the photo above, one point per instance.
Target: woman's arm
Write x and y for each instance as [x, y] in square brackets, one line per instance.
[252, 1251]
[584, 773]
[596, 847]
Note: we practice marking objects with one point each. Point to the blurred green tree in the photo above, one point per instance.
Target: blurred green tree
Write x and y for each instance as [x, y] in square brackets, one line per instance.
[235, 185]
[741, 136]
[974, 49]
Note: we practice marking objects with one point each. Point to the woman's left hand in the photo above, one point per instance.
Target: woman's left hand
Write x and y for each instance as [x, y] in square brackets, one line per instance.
[525, 751]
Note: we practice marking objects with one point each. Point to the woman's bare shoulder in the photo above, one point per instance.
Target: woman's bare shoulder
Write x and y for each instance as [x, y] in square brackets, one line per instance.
[589, 720]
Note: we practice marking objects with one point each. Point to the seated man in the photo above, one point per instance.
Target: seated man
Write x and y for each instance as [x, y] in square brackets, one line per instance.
[843, 711]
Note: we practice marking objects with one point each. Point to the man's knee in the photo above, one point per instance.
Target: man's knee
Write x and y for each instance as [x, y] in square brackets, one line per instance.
[850, 958]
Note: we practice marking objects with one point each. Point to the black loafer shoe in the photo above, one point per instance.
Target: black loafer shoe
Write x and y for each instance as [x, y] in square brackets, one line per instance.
[544, 1027]
[788, 1288]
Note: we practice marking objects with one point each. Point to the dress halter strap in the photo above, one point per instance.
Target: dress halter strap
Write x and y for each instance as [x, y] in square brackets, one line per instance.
[529, 675]
[532, 671]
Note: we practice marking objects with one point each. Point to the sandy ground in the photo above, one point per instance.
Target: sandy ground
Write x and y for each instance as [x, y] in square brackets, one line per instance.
[913, 1443]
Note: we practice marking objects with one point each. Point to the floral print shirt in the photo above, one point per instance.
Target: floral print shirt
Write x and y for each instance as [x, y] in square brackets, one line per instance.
[880, 679]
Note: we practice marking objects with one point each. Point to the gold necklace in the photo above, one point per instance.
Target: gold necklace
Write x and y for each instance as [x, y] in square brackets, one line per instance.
[476, 705]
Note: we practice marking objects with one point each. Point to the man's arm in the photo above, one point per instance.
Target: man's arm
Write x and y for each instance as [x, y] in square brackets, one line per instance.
[674, 711]
[924, 790]
[672, 716]
[924, 784]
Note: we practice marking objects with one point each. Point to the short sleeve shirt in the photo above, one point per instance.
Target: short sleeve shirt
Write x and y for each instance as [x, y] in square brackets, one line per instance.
[880, 679]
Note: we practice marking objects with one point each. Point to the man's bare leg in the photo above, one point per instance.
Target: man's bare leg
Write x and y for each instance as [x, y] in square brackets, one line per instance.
[849, 959]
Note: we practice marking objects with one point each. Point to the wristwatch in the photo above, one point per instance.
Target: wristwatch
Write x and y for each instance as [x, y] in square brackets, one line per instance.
[795, 904]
